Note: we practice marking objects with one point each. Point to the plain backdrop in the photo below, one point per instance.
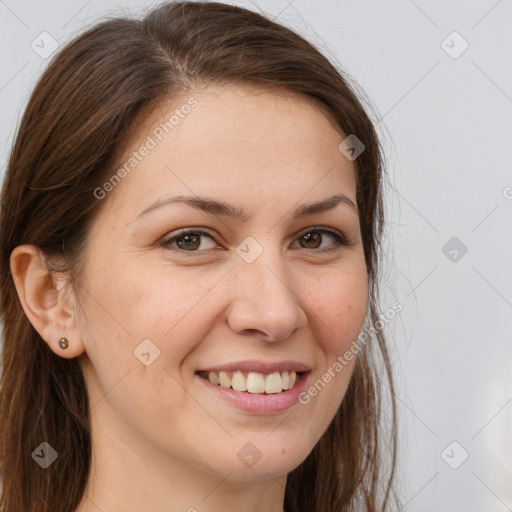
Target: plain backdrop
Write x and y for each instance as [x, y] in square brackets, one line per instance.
[439, 76]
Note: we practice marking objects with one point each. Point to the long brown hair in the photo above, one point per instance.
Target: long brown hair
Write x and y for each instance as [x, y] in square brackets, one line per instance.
[66, 146]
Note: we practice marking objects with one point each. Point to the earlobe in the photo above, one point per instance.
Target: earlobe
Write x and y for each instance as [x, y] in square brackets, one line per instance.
[44, 304]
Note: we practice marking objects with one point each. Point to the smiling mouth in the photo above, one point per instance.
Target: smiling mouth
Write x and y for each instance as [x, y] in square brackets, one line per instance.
[253, 382]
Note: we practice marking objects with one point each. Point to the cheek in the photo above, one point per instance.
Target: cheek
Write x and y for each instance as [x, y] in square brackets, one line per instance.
[135, 315]
[148, 299]
[340, 304]
[174, 298]
[176, 309]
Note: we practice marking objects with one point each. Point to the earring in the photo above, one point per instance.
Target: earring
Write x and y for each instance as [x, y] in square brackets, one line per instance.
[63, 343]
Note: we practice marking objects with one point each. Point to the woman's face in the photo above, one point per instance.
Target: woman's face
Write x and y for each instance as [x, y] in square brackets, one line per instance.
[264, 292]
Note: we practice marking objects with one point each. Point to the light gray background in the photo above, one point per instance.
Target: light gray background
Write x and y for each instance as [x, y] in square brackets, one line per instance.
[446, 125]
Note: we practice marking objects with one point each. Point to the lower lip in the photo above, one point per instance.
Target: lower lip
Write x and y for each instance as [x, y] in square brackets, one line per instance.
[259, 403]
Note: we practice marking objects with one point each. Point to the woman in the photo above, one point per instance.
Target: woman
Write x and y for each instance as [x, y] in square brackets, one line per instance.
[190, 225]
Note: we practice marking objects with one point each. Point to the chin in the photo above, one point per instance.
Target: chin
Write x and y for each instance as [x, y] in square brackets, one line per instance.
[260, 460]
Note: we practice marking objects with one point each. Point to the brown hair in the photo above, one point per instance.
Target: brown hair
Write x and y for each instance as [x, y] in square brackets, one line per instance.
[66, 146]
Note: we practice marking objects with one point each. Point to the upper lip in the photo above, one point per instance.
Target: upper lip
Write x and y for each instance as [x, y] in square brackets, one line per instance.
[259, 367]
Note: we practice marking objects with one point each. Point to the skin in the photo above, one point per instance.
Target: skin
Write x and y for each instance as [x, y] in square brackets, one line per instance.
[161, 441]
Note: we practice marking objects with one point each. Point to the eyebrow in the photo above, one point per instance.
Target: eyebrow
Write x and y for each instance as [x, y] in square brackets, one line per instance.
[224, 209]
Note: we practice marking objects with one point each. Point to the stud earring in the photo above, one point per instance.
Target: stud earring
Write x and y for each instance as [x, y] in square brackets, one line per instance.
[63, 343]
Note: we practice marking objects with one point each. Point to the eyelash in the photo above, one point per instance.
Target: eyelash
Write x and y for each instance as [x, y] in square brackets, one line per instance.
[341, 241]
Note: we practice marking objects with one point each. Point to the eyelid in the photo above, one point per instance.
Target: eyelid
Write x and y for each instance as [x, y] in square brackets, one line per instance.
[341, 239]
[168, 240]
[325, 229]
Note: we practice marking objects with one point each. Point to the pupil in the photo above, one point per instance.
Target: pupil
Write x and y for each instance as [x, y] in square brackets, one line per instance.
[187, 239]
[308, 237]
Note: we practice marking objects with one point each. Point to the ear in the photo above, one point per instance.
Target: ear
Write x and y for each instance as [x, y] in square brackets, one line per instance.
[43, 300]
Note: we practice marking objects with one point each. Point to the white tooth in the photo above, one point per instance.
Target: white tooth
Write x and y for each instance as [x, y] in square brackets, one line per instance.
[273, 383]
[285, 378]
[255, 383]
[293, 378]
[239, 382]
[224, 380]
[213, 377]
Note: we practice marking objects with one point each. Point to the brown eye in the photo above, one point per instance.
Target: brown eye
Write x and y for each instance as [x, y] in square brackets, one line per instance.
[313, 239]
[187, 240]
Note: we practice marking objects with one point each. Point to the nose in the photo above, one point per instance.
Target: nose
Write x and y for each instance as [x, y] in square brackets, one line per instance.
[264, 300]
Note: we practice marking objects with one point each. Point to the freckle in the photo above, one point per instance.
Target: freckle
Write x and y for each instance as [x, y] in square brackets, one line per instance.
[284, 450]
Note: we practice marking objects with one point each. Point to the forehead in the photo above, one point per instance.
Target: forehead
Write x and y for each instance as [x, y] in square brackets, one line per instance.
[221, 112]
[232, 140]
